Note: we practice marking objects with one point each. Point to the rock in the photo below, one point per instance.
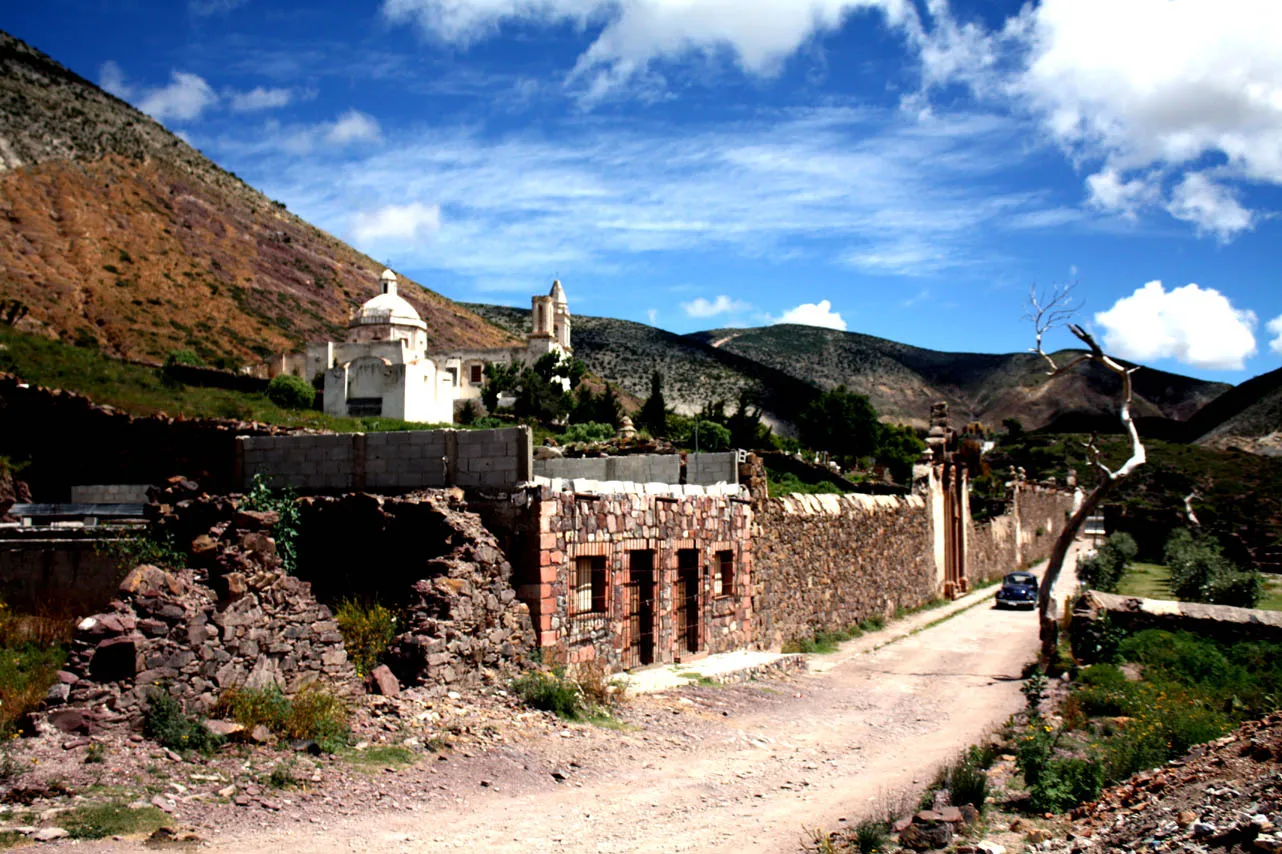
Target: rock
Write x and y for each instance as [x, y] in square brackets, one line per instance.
[926, 836]
[227, 791]
[163, 804]
[72, 744]
[985, 846]
[970, 815]
[226, 729]
[115, 659]
[241, 800]
[1185, 818]
[49, 834]
[260, 735]
[382, 681]
[950, 814]
[305, 745]
[72, 721]
[163, 836]
[1268, 843]
[1203, 829]
[1037, 835]
[901, 824]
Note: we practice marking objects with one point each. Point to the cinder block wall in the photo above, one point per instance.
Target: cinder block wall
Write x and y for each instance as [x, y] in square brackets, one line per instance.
[389, 461]
[701, 469]
[110, 493]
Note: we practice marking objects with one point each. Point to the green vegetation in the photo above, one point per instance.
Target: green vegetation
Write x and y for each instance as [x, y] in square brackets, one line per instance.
[165, 723]
[100, 821]
[315, 713]
[290, 392]
[150, 548]
[872, 835]
[282, 775]
[539, 389]
[587, 432]
[367, 629]
[589, 697]
[653, 416]
[787, 483]
[284, 503]
[1104, 570]
[1201, 573]
[145, 391]
[380, 756]
[32, 651]
[846, 425]
[823, 641]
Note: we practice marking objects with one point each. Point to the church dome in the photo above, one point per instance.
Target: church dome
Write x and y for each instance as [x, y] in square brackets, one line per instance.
[389, 307]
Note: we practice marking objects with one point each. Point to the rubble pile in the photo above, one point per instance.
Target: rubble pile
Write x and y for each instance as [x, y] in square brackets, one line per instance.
[233, 618]
[1224, 796]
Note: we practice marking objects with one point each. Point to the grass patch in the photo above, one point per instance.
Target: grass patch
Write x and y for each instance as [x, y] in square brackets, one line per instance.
[112, 819]
[589, 698]
[699, 679]
[1153, 581]
[315, 713]
[381, 756]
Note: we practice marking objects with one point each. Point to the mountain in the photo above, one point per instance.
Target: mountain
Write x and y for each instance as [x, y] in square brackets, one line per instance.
[694, 373]
[902, 381]
[117, 234]
[785, 366]
[1247, 417]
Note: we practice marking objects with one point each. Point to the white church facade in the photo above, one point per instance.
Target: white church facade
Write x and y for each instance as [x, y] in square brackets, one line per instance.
[384, 367]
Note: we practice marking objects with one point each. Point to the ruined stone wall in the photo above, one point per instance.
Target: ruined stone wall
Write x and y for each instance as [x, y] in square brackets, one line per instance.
[830, 561]
[550, 531]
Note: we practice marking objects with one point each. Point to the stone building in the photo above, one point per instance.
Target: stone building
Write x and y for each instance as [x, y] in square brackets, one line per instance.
[384, 368]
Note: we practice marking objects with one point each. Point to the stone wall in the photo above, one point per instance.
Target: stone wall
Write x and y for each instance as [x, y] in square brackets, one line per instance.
[58, 570]
[643, 542]
[232, 619]
[428, 556]
[830, 561]
[392, 462]
[63, 435]
[1021, 537]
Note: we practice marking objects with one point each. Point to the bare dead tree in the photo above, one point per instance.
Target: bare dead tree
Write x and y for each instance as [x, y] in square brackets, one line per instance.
[1048, 309]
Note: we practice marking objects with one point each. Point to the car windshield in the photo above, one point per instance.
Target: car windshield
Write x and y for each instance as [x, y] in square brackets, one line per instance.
[1021, 581]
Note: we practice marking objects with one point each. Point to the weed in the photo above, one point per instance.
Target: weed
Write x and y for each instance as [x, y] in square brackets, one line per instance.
[872, 624]
[382, 756]
[112, 819]
[1066, 783]
[967, 784]
[284, 503]
[282, 775]
[550, 692]
[314, 713]
[871, 835]
[1034, 688]
[96, 753]
[699, 679]
[132, 551]
[367, 629]
[165, 723]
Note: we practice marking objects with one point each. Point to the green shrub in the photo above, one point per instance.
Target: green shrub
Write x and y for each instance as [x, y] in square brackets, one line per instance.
[165, 723]
[290, 392]
[590, 431]
[184, 357]
[1066, 783]
[967, 784]
[1095, 640]
[982, 755]
[131, 551]
[1201, 573]
[368, 630]
[871, 835]
[1104, 569]
[315, 713]
[550, 692]
[1103, 676]
[1035, 750]
[284, 503]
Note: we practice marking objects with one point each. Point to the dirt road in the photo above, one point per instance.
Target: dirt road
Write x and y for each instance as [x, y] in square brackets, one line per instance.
[741, 768]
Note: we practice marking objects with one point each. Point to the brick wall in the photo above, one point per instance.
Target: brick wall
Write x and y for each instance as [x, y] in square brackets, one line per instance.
[390, 462]
[830, 561]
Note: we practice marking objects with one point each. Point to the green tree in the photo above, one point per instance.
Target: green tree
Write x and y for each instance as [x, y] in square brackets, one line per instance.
[654, 412]
[1201, 573]
[499, 377]
[840, 422]
[291, 392]
[898, 449]
[1104, 570]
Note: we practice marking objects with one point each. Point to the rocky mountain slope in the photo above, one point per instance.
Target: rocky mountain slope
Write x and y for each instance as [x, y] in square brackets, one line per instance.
[1247, 417]
[115, 233]
[785, 366]
[902, 380]
[694, 373]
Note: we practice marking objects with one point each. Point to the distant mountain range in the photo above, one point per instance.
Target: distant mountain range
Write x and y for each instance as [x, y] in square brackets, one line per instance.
[116, 233]
[784, 366]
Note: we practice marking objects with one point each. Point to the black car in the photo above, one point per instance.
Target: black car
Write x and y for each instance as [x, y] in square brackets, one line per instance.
[1019, 590]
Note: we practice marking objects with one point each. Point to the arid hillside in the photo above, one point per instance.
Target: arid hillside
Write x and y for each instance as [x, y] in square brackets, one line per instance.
[902, 381]
[117, 234]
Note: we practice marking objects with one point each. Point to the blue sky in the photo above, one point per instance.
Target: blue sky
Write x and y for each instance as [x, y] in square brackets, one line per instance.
[902, 168]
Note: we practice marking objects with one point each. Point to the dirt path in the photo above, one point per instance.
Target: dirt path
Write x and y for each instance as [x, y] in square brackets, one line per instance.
[743, 768]
[708, 769]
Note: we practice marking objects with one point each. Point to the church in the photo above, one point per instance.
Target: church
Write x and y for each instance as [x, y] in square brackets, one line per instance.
[384, 367]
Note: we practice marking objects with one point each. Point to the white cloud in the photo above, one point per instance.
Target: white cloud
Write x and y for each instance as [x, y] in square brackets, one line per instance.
[1193, 325]
[112, 78]
[204, 8]
[396, 224]
[1108, 191]
[1212, 207]
[353, 126]
[702, 307]
[652, 316]
[1274, 327]
[260, 98]
[813, 314]
[184, 99]
[758, 34]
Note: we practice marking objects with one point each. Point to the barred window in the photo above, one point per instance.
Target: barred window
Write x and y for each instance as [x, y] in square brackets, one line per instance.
[588, 593]
[724, 582]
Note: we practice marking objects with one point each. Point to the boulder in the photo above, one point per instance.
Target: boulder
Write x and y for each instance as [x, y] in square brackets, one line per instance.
[926, 835]
[382, 681]
[72, 721]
